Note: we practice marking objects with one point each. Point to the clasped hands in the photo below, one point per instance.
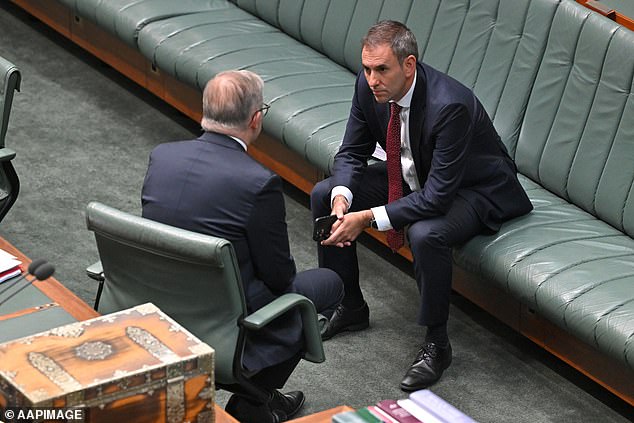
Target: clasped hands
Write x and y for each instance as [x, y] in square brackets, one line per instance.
[348, 225]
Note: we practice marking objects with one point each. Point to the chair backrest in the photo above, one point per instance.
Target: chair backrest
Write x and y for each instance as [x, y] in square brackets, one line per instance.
[9, 182]
[193, 278]
[10, 78]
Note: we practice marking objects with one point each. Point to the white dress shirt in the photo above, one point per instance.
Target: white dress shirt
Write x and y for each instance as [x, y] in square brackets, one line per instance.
[407, 164]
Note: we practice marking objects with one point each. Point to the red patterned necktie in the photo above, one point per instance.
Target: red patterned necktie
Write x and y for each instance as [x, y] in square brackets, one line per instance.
[395, 239]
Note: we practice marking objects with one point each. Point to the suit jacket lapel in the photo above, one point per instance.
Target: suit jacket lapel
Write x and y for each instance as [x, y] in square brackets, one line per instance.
[382, 111]
[417, 136]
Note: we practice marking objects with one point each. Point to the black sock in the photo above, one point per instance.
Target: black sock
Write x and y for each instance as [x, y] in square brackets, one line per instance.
[437, 334]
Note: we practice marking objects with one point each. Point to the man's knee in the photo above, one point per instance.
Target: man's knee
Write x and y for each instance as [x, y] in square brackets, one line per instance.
[320, 283]
[424, 237]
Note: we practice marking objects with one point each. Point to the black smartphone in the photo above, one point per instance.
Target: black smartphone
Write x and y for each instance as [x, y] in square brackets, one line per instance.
[321, 229]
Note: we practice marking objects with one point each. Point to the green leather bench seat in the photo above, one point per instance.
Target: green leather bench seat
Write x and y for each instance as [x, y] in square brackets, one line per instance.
[568, 266]
[572, 257]
[555, 77]
[125, 18]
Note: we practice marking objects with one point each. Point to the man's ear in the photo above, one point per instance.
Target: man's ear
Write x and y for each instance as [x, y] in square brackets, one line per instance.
[409, 65]
[254, 123]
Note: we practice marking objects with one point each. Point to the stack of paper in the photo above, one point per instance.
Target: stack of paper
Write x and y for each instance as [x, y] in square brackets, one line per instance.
[9, 266]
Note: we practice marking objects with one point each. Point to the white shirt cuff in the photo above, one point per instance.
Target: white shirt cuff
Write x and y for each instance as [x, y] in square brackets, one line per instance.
[341, 190]
[381, 218]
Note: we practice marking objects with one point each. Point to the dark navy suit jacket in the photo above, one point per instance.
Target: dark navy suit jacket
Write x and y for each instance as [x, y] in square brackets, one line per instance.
[211, 185]
[456, 151]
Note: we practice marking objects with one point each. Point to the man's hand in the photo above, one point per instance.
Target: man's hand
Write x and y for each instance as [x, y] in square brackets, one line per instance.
[339, 206]
[348, 227]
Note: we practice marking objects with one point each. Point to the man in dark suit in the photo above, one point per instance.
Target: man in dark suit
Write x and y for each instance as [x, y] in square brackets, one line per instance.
[211, 185]
[447, 178]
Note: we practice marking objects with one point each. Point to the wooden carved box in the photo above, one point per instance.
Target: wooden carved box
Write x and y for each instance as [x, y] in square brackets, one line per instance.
[134, 365]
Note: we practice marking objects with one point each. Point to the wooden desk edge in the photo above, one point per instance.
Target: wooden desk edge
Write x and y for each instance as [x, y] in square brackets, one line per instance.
[323, 416]
[53, 289]
[222, 416]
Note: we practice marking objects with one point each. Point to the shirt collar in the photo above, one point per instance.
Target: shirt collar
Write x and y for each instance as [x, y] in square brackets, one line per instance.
[242, 143]
[406, 100]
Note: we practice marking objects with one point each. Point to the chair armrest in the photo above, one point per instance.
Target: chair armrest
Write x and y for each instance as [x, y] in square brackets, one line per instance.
[95, 271]
[312, 336]
[6, 154]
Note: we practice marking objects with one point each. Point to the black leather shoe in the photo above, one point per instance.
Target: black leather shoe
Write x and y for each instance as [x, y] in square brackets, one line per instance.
[280, 408]
[285, 406]
[345, 319]
[427, 368]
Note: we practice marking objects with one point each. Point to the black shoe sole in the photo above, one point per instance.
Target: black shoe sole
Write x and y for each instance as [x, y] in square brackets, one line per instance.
[350, 328]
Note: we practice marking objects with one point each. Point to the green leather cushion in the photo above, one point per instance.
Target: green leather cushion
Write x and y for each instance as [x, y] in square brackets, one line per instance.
[569, 266]
[124, 18]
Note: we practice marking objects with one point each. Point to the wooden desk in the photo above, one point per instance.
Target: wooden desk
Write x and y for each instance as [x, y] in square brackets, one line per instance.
[222, 416]
[41, 306]
[323, 416]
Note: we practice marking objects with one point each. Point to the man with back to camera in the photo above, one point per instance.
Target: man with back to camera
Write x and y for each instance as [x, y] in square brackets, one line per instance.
[211, 185]
[447, 178]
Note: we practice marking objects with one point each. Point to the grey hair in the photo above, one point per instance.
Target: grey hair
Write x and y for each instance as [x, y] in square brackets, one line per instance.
[230, 99]
[396, 35]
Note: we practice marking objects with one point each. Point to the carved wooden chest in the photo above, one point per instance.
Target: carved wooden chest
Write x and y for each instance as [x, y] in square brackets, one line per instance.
[135, 365]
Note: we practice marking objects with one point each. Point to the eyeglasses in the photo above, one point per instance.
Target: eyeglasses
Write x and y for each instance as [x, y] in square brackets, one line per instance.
[264, 109]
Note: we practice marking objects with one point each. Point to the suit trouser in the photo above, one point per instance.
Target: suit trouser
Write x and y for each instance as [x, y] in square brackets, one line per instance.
[323, 287]
[431, 241]
[275, 377]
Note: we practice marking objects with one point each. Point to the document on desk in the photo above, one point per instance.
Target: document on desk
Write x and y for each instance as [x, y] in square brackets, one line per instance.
[9, 266]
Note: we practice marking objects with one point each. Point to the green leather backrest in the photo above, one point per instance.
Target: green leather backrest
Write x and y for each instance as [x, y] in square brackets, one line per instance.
[264, 9]
[489, 45]
[193, 278]
[9, 82]
[577, 138]
[125, 18]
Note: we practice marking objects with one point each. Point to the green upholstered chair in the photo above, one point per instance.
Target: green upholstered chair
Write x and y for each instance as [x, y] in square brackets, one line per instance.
[195, 279]
[9, 182]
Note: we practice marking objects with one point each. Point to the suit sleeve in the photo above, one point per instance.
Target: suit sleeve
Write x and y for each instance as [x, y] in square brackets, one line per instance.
[451, 136]
[267, 236]
[358, 144]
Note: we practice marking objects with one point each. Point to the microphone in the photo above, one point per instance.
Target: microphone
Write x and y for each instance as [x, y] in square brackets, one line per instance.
[32, 267]
[42, 272]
